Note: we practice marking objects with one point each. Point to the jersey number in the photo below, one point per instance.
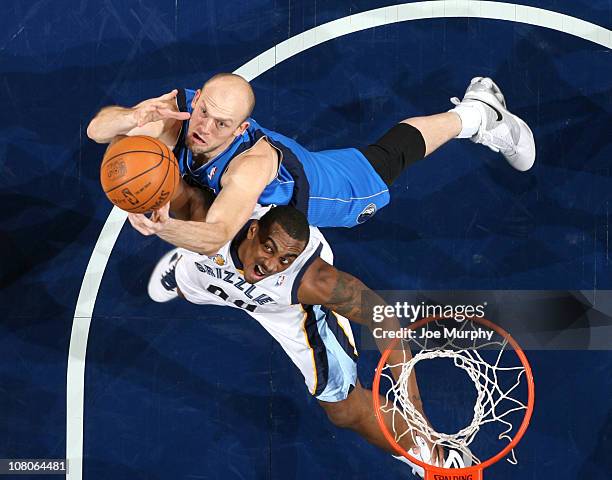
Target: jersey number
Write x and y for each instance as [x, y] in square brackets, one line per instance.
[219, 292]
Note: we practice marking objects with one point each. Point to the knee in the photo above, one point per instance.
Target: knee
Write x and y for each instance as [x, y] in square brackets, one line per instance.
[342, 414]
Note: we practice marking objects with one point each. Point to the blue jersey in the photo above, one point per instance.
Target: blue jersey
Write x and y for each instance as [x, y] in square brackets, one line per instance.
[333, 188]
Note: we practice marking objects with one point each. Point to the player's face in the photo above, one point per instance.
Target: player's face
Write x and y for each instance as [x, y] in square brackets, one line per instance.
[215, 122]
[268, 253]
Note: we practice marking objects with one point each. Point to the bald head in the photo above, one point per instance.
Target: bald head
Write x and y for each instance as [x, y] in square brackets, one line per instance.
[219, 115]
[233, 90]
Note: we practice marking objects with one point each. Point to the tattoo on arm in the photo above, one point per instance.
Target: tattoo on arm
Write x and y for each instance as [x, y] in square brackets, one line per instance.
[346, 299]
[352, 299]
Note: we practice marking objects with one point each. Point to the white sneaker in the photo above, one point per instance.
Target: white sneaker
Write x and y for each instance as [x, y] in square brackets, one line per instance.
[454, 459]
[500, 130]
[458, 458]
[162, 284]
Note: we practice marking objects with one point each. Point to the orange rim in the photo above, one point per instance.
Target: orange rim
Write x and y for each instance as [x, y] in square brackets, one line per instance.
[487, 463]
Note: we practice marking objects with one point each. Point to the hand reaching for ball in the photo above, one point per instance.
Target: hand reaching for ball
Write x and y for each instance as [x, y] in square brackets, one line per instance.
[153, 225]
[160, 108]
[162, 214]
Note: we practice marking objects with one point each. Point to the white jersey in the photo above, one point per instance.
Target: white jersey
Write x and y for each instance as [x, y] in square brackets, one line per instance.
[308, 334]
[218, 279]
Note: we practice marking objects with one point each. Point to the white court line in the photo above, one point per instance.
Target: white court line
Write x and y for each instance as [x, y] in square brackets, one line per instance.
[422, 10]
[75, 378]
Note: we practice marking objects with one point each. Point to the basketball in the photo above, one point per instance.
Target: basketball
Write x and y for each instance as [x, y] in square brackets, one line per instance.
[139, 174]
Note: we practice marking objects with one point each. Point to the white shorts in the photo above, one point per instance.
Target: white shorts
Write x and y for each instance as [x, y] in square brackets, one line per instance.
[319, 342]
[322, 347]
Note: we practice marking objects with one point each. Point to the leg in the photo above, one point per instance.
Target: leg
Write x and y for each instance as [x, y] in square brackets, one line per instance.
[481, 116]
[356, 413]
[436, 129]
[410, 141]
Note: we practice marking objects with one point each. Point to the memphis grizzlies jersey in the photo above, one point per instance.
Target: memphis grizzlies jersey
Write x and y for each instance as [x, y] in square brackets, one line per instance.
[218, 279]
[333, 188]
[318, 341]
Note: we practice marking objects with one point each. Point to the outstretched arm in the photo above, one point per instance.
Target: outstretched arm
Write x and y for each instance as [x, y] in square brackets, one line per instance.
[323, 284]
[189, 209]
[152, 117]
[228, 213]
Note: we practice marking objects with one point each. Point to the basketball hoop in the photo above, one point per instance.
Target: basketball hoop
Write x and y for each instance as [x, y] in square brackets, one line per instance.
[496, 381]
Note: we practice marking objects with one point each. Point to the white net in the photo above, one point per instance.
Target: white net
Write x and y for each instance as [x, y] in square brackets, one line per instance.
[490, 363]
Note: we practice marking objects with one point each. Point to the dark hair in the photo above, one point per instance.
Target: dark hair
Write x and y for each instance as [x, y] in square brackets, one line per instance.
[290, 219]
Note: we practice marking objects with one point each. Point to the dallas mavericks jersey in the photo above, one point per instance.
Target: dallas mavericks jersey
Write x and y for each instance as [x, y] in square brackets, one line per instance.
[333, 188]
[319, 342]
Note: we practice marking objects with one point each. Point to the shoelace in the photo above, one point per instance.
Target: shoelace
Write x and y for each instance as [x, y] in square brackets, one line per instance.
[487, 139]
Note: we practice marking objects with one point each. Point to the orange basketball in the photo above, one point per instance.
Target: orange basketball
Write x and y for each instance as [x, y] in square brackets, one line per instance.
[139, 174]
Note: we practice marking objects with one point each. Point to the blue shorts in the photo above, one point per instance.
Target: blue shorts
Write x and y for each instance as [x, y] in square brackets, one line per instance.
[345, 190]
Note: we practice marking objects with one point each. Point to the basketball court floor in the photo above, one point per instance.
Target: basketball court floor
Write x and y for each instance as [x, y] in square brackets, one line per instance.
[92, 370]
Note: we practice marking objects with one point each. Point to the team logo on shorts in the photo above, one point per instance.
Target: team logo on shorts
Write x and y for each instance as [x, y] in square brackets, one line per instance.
[218, 259]
[212, 172]
[367, 213]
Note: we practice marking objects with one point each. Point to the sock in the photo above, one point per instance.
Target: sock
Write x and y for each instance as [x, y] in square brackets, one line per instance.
[471, 119]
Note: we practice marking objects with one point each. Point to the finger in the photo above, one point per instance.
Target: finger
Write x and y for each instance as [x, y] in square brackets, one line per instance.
[142, 224]
[157, 111]
[146, 115]
[182, 115]
[167, 113]
[135, 222]
[135, 217]
[161, 214]
[170, 95]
